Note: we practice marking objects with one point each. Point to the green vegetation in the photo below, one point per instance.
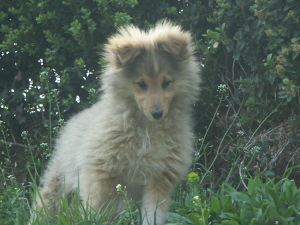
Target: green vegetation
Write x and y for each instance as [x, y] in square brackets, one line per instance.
[262, 203]
[246, 168]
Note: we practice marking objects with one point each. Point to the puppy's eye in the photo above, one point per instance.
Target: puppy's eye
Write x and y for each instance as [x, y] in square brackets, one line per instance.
[165, 84]
[142, 85]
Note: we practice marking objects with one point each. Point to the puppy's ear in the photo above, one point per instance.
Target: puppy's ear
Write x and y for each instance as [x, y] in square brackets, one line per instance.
[127, 54]
[176, 48]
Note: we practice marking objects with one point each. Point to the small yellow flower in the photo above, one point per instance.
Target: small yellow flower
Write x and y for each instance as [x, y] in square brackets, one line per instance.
[296, 48]
[293, 40]
[285, 51]
[280, 71]
[290, 14]
[193, 177]
[269, 32]
[281, 59]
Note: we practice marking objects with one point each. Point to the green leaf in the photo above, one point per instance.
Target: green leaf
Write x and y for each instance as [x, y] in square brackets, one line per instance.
[231, 216]
[226, 202]
[175, 217]
[288, 195]
[290, 211]
[295, 55]
[230, 222]
[296, 201]
[269, 57]
[273, 194]
[215, 205]
[196, 219]
[212, 35]
[289, 189]
[253, 184]
[287, 82]
[270, 211]
[246, 214]
[241, 197]
[228, 189]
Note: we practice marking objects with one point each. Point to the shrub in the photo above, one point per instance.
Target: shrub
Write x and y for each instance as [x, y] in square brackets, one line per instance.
[265, 203]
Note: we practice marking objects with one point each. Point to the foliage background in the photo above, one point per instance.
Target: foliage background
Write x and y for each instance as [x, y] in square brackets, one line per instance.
[49, 65]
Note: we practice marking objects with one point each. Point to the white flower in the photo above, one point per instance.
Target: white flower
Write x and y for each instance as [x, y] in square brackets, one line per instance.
[44, 145]
[255, 149]
[240, 133]
[24, 134]
[119, 187]
[222, 88]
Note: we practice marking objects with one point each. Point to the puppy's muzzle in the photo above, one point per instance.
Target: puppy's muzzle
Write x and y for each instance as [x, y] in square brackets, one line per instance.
[157, 114]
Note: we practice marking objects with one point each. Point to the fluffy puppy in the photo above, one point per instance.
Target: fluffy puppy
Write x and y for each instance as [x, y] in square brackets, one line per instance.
[139, 134]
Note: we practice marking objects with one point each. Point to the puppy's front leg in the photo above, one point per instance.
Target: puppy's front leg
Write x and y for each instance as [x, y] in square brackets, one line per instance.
[156, 200]
[98, 190]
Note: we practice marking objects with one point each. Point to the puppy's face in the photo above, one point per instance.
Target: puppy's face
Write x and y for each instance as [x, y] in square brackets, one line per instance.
[154, 94]
[152, 74]
[151, 62]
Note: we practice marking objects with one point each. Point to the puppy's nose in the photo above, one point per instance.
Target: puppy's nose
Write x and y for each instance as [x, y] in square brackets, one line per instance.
[157, 114]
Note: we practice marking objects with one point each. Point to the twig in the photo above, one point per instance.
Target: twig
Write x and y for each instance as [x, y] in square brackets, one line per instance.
[296, 152]
[279, 152]
[255, 140]
[16, 144]
[241, 175]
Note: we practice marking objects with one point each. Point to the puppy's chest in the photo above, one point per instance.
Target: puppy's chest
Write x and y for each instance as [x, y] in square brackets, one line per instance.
[143, 155]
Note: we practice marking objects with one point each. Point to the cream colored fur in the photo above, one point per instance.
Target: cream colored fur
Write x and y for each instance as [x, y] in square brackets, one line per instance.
[116, 142]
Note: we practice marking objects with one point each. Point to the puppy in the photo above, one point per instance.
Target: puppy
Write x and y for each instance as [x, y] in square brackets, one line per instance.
[139, 134]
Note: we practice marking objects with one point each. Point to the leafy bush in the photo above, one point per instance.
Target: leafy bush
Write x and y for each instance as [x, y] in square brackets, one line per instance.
[265, 203]
[260, 50]
[252, 48]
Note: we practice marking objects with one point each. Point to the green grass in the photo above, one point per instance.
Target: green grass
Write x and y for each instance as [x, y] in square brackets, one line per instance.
[262, 202]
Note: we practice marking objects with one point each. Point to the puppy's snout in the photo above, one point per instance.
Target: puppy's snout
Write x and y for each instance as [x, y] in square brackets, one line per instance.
[157, 114]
